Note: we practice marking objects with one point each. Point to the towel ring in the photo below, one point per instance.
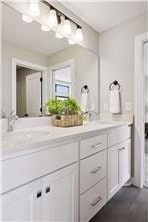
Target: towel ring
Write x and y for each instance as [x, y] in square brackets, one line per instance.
[114, 83]
[85, 88]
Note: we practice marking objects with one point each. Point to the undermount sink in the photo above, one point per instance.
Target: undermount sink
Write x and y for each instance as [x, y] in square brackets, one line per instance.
[18, 137]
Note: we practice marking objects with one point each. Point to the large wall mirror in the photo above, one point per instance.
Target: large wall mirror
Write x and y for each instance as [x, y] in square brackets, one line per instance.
[37, 66]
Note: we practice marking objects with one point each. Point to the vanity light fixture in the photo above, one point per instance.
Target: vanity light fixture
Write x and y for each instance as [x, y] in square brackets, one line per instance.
[27, 18]
[56, 21]
[34, 8]
[45, 28]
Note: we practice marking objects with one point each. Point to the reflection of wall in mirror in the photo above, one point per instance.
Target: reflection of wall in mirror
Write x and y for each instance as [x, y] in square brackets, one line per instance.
[85, 62]
[86, 70]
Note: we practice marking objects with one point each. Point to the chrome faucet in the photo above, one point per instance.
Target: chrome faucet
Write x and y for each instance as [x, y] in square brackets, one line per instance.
[11, 121]
[92, 115]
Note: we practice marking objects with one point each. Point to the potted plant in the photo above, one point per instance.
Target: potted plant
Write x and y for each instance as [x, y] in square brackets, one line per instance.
[65, 112]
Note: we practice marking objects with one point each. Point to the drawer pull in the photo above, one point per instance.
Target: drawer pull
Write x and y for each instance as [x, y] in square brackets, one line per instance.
[47, 190]
[39, 194]
[96, 146]
[123, 148]
[97, 200]
[96, 170]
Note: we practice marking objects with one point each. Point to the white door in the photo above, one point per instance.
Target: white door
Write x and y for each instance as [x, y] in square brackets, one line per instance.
[124, 162]
[113, 173]
[33, 94]
[60, 195]
[23, 204]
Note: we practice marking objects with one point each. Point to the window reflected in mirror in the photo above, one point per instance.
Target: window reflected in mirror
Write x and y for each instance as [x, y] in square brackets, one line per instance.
[62, 83]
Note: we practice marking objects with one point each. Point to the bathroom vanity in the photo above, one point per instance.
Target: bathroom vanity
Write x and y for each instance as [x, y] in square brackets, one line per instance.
[66, 175]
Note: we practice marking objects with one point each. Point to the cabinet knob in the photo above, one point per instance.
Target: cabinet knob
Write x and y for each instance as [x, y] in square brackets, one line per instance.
[39, 194]
[47, 190]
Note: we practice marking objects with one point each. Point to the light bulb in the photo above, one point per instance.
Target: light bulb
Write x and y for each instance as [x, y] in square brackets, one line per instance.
[52, 21]
[67, 27]
[45, 28]
[34, 8]
[71, 42]
[27, 18]
[78, 35]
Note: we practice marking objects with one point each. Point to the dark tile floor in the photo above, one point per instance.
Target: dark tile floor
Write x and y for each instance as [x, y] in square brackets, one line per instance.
[130, 204]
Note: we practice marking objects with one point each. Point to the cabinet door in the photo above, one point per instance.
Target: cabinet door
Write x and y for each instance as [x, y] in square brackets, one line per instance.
[23, 204]
[124, 162]
[60, 195]
[113, 177]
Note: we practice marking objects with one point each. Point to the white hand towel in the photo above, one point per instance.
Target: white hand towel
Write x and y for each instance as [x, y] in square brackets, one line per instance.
[84, 101]
[114, 101]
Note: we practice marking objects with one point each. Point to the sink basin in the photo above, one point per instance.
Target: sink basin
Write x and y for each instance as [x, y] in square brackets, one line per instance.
[21, 137]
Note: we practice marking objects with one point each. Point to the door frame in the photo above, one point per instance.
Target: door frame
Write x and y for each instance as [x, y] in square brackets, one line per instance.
[61, 65]
[138, 179]
[26, 64]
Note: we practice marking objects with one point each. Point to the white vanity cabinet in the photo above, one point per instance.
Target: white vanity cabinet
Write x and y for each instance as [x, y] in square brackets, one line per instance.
[113, 171]
[71, 181]
[119, 159]
[60, 195]
[124, 162]
[93, 172]
[52, 198]
[23, 204]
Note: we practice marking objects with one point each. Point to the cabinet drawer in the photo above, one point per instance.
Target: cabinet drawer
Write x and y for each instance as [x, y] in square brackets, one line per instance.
[92, 201]
[119, 135]
[20, 170]
[92, 145]
[92, 170]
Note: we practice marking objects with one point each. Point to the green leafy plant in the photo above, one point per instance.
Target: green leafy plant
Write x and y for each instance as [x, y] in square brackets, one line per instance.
[54, 106]
[67, 106]
[71, 106]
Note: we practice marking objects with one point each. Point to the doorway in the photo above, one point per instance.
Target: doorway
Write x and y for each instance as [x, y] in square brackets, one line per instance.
[139, 111]
[29, 92]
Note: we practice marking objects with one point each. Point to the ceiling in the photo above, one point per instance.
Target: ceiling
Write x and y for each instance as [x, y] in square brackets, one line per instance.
[103, 15]
[29, 36]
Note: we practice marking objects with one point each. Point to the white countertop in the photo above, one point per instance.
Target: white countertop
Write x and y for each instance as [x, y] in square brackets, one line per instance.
[34, 139]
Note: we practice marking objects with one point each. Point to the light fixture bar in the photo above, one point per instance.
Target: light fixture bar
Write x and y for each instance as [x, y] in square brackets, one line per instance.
[59, 13]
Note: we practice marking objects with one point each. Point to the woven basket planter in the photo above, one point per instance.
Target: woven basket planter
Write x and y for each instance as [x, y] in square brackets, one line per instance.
[67, 120]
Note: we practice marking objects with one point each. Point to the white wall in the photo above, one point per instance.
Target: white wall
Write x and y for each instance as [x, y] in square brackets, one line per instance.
[86, 71]
[117, 59]
[10, 51]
